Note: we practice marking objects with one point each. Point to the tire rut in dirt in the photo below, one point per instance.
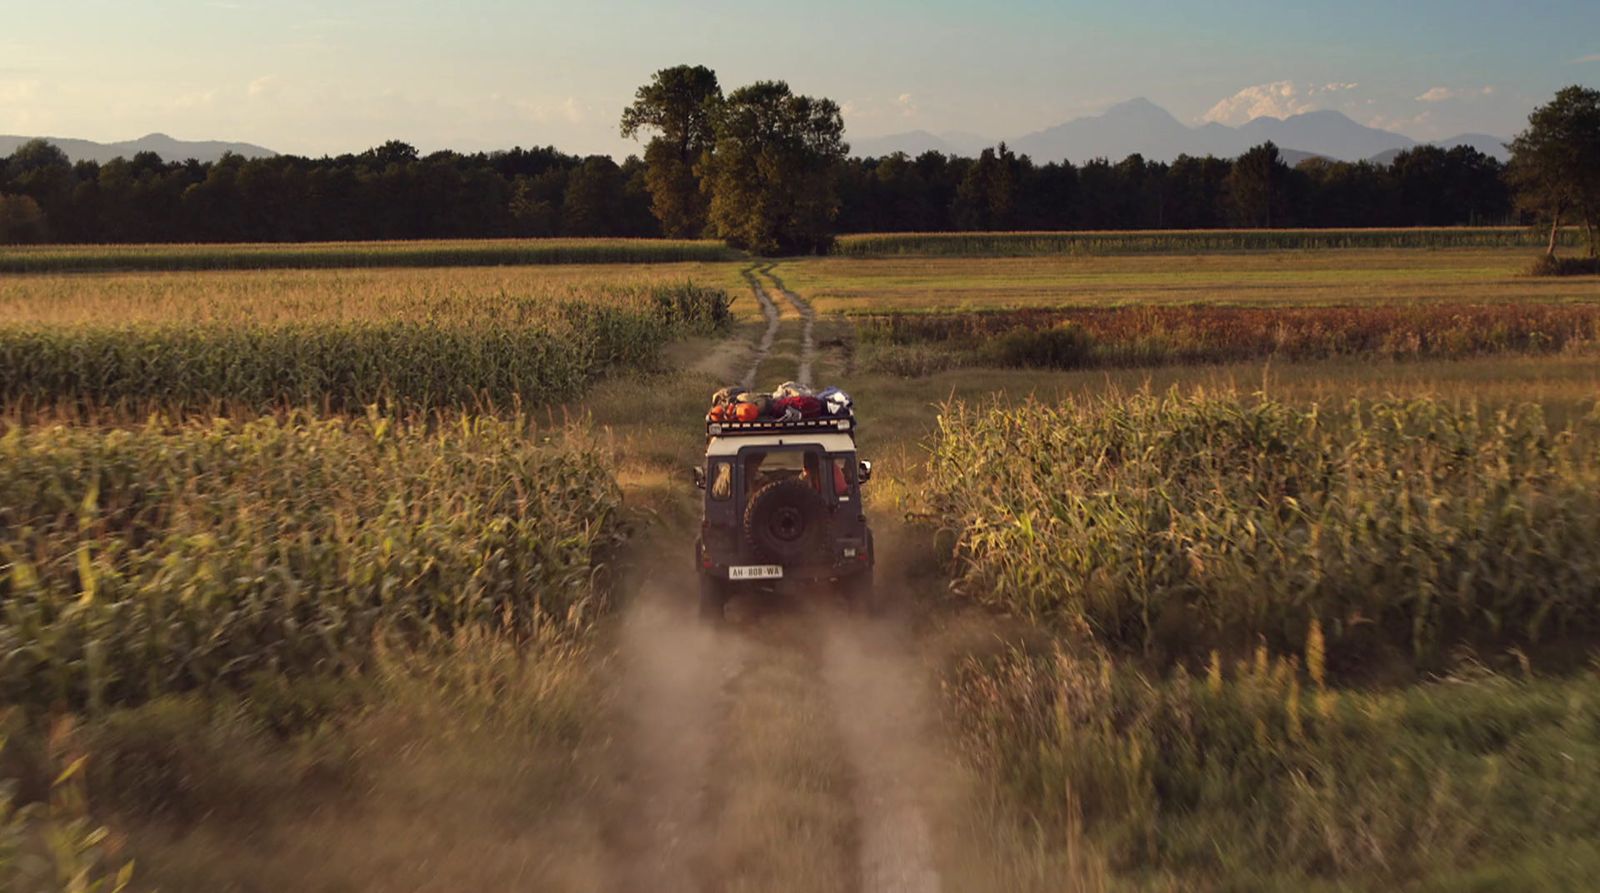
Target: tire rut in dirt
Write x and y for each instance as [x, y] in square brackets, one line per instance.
[808, 341]
[781, 810]
[880, 705]
[675, 673]
[769, 309]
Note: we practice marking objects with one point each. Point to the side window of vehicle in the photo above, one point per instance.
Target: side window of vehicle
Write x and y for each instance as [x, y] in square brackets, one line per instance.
[838, 469]
[721, 480]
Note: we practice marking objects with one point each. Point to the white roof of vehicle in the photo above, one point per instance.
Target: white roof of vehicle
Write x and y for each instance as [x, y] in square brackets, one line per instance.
[828, 443]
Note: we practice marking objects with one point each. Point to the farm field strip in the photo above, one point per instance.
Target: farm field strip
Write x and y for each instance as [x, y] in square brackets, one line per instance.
[1302, 278]
[981, 244]
[479, 296]
[1149, 336]
[433, 353]
[328, 255]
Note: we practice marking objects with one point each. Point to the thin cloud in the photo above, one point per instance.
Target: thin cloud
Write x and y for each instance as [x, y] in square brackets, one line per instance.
[1402, 124]
[1445, 94]
[261, 85]
[18, 91]
[1584, 60]
[196, 100]
[908, 106]
[571, 110]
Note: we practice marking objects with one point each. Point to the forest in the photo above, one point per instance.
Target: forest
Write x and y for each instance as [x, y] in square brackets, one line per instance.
[394, 192]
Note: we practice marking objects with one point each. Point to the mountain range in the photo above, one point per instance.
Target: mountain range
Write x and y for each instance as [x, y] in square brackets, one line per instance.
[168, 148]
[1141, 126]
[1138, 125]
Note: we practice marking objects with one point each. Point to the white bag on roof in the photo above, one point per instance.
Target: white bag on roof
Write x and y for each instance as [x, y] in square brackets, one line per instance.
[835, 401]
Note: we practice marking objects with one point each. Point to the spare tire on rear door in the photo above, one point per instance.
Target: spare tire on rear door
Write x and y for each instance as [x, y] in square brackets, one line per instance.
[786, 522]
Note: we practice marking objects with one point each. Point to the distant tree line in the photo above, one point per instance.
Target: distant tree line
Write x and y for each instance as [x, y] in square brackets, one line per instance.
[765, 169]
[390, 192]
[999, 190]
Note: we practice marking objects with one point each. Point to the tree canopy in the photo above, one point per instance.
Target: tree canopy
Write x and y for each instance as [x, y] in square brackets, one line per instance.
[772, 171]
[680, 105]
[1555, 163]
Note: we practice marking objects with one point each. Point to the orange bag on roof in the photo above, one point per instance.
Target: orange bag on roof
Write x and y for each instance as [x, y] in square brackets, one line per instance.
[747, 412]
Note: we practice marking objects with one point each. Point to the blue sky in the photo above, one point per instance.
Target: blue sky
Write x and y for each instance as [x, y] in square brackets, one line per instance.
[329, 77]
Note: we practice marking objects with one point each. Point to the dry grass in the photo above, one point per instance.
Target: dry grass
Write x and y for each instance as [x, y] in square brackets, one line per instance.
[1255, 776]
[468, 770]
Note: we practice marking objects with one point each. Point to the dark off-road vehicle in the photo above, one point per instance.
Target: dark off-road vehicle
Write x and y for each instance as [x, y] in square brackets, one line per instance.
[783, 507]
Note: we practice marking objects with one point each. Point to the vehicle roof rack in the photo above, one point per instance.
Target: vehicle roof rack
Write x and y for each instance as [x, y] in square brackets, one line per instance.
[839, 424]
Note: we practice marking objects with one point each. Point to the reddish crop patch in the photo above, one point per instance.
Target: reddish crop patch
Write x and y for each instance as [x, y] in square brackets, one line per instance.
[1150, 335]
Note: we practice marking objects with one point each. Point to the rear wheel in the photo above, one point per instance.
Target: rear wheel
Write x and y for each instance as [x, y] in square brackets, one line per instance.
[713, 597]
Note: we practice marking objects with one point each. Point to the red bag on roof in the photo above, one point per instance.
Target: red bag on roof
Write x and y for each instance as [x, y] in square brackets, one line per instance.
[806, 406]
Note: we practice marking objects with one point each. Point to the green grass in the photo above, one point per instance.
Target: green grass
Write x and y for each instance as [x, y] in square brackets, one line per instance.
[322, 255]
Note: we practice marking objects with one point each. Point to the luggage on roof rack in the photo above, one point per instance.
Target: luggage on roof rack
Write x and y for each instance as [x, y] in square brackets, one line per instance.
[790, 408]
[820, 425]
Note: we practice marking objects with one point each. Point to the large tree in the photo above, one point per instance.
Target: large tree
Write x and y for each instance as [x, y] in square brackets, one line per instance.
[773, 173]
[679, 105]
[987, 198]
[1555, 163]
[1259, 187]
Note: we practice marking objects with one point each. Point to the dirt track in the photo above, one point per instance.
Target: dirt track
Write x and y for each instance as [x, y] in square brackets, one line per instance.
[791, 748]
[769, 309]
[784, 750]
[808, 323]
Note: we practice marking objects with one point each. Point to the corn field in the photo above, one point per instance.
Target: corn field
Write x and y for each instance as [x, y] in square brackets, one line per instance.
[1172, 525]
[1029, 244]
[140, 562]
[327, 255]
[481, 352]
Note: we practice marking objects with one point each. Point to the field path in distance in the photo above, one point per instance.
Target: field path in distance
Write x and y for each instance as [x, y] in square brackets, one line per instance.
[770, 311]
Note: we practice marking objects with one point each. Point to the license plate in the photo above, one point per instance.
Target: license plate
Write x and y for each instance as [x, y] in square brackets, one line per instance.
[755, 572]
